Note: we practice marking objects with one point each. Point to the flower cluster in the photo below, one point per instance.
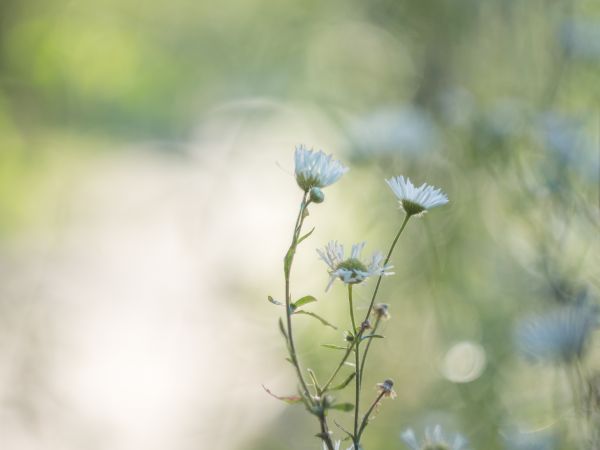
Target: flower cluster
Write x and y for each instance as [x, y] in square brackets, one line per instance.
[315, 170]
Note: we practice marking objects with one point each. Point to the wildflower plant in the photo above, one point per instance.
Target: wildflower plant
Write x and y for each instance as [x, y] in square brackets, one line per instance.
[314, 170]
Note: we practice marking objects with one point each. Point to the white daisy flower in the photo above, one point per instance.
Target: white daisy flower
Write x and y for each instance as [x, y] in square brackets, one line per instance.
[434, 440]
[416, 200]
[560, 335]
[352, 270]
[316, 169]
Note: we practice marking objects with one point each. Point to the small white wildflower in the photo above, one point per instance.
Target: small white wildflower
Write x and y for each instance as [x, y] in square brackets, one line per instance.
[434, 440]
[560, 335]
[416, 200]
[351, 270]
[316, 169]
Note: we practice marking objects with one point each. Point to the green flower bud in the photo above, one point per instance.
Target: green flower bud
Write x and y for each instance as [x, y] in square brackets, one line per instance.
[316, 195]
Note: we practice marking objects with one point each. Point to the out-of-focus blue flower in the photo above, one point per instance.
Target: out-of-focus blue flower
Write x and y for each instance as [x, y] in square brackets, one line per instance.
[434, 440]
[530, 441]
[389, 131]
[560, 335]
[581, 39]
[457, 106]
[568, 143]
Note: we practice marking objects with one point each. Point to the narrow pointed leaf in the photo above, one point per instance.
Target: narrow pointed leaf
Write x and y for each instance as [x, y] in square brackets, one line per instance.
[313, 377]
[282, 329]
[291, 399]
[344, 430]
[346, 407]
[334, 347]
[344, 383]
[319, 318]
[306, 235]
[370, 336]
[303, 301]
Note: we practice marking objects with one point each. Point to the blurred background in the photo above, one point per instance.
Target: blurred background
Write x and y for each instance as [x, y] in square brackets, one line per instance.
[147, 198]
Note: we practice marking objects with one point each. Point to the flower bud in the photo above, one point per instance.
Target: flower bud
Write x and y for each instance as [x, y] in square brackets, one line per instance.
[381, 311]
[387, 388]
[316, 195]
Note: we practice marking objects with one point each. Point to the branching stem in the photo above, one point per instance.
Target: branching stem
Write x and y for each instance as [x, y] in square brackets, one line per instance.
[287, 268]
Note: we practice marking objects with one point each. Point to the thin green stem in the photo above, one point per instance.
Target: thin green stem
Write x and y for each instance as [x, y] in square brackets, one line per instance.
[289, 259]
[336, 371]
[287, 268]
[358, 337]
[387, 259]
[577, 401]
[355, 335]
[361, 332]
[365, 420]
[364, 356]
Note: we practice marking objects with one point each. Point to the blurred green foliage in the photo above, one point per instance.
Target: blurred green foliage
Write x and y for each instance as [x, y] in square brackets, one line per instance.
[503, 90]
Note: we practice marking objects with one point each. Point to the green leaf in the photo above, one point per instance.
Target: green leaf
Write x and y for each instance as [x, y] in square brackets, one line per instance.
[303, 301]
[319, 318]
[290, 399]
[344, 383]
[313, 377]
[287, 261]
[346, 407]
[334, 347]
[370, 336]
[282, 329]
[275, 302]
[306, 235]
